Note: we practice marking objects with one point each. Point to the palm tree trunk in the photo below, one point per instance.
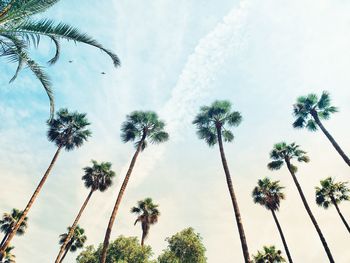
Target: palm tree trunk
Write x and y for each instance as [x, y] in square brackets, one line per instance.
[4, 239]
[233, 199]
[30, 203]
[119, 199]
[308, 210]
[71, 231]
[330, 138]
[341, 216]
[282, 237]
[64, 255]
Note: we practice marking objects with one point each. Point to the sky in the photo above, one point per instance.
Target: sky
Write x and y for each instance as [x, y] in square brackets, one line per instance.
[177, 56]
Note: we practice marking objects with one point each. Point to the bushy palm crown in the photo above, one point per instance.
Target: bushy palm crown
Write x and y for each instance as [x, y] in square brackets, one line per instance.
[147, 212]
[268, 194]
[269, 255]
[18, 31]
[98, 176]
[9, 257]
[68, 129]
[331, 191]
[143, 126]
[283, 152]
[309, 105]
[9, 219]
[77, 240]
[215, 118]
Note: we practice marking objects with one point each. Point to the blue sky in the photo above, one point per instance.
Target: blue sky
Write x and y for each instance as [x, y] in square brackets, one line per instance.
[177, 56]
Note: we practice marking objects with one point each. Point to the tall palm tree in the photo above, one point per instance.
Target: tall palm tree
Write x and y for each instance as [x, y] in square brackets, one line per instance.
[68, 131]
[139, 127]
[310, 110]
[9, 257]
[147, 214]
[97, 177]
[19, 30]
[332, 193]
[285, 153]
[269, 194]
[269, 255]
[75, 242]
[213, 125]
[9, 220]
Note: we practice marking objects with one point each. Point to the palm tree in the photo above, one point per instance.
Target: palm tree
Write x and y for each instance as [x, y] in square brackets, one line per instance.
[269, 255]
[310, 110]
[285, 153]
[213, 123]
[269, 194]
[9, 220]
[332, 193]
[19, 30]
[75, 242]
[147, 214]
[9, 257]
[98, 177]
[68, 131]
[139, 127]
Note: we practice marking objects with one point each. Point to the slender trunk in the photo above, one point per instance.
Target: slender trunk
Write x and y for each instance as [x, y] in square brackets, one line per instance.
[4, 239]
[233, 199]
[143, 238]
[66, 252]
[330, 138]
[30, 203]
[282, 237]
[118, 201]
[71, 231]
[145, 229]
[308, 210]
[341, 215]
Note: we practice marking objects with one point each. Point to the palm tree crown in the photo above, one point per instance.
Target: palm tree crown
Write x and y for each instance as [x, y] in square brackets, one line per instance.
[141, 126]
[331, 192]
[18, 31]
[77, 241]
[68, 129]
[269, 254]
[268, 194]
[215, 118]
[309, 106]
[283, 152]
[98, 176]
[9, 219]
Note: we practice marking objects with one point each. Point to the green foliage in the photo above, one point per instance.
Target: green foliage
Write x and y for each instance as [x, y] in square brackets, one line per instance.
[216, 118]
[331, 192]
[143, 126]
[77, 240]
[99, 176]
[184, 247]
[147, 214]
[268, 194]
[121, 250]
[283, 152]
[269, 255]
[18, 31]
[9, 219]
[308, 107]
[9, 257]
[68, 129]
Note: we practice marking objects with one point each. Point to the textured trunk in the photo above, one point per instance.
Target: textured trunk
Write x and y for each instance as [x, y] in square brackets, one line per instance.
[233, 199]
[71, 231]
[30, 203]
[119, 198]
[282, 237]
[341, 215]
[330, 138]
[308, 210]
[66, 251]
